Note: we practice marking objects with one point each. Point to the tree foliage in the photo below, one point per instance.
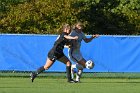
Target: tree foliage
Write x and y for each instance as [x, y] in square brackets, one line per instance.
[47, 16]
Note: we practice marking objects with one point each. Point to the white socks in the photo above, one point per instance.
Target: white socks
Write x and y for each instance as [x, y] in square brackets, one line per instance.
[78, 75]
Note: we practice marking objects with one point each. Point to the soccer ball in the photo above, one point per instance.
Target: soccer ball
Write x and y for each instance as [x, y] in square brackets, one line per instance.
[89, 64]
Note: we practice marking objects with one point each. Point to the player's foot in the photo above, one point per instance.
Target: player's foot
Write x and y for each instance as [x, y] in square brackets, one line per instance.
[78, 81]
[72, 81]
[32, 76]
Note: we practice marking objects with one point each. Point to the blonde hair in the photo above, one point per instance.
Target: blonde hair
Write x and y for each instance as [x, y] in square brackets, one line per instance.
[78, 23]
[65, 26]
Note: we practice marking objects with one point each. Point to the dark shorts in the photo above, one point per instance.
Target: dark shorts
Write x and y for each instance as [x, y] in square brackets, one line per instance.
[54, 55]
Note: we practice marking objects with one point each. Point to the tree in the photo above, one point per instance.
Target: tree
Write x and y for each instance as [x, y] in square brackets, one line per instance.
[47, 16]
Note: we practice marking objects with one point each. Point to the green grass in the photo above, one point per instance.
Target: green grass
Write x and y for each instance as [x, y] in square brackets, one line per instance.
[130, 75]
[88, 85]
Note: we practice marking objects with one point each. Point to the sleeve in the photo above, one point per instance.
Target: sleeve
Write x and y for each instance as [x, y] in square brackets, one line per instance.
[83, 36]
[62, 35]
[72, 33]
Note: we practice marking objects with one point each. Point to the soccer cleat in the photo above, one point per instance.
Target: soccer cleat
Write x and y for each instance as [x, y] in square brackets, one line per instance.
[32, 76]
[78, 81]
[72, 81]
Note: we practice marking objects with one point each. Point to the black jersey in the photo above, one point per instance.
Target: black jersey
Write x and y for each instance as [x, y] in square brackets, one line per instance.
[57, 51]
[60, 43]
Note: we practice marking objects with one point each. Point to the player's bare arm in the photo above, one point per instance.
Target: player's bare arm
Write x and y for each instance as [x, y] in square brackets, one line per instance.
[70, 37]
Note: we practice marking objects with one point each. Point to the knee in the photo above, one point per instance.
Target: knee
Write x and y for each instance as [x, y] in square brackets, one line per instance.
[68, 63]
[46, 67]
[79, 66]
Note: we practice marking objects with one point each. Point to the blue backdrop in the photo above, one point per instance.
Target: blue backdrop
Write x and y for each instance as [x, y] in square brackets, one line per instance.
[110, 53]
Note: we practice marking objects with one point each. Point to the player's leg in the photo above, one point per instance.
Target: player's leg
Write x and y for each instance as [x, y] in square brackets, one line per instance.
[78, 69]
[82, 62]
[66, 61]
[73, 70]
[78, 75]
[80, 66]
[77, 57]
[48, 64]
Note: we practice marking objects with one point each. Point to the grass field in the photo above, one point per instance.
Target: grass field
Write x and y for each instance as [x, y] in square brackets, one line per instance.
[88, 85]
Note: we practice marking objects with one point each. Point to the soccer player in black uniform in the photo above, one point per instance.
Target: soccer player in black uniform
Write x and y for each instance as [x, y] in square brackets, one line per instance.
[56, 53]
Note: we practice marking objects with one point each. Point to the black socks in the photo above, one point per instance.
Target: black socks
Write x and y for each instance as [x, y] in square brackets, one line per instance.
[39, 70]
[68, 71]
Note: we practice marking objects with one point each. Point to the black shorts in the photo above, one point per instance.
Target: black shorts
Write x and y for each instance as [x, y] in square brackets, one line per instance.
[54, 55]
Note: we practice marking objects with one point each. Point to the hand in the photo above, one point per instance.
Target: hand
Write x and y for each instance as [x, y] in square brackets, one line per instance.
[95, 36]
[76, 37]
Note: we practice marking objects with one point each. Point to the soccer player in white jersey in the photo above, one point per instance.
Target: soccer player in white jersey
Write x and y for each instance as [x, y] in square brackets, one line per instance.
[74, 50]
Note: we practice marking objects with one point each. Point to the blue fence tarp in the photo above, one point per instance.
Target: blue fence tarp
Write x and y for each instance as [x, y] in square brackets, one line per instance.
[110, 53]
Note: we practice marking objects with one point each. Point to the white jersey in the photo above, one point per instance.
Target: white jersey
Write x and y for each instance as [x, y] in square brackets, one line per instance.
[74, 51]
